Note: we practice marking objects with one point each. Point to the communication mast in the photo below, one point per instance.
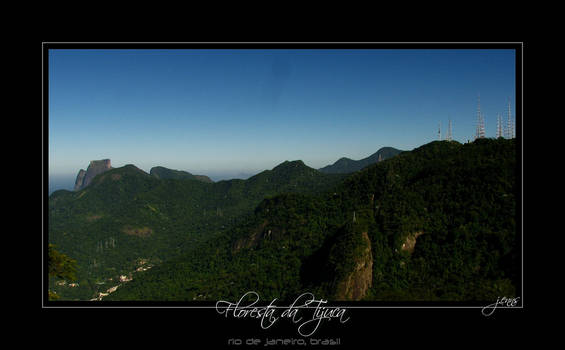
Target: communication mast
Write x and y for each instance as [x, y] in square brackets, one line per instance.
[480, 121]
[499, 126]
[439, 132]
[509, 125]
[449, 131]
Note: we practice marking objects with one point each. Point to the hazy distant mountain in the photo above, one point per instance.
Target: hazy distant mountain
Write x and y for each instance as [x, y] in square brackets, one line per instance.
[165, 173]
[346, 165]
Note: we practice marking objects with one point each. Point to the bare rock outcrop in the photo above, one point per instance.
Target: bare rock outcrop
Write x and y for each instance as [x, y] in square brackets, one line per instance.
[358, 281]
[410, 241]
[252, 239]
[80, 179]
[96, 167]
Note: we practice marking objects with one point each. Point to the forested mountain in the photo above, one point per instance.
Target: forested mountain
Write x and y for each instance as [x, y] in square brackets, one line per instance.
[165, 173]
[433, 224]
[346, 165]
[127, 219]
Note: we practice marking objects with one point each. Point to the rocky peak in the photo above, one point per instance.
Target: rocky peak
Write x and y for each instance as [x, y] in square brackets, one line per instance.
[96, 167]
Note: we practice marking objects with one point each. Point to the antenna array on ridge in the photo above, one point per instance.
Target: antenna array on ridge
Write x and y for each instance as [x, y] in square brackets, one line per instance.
[507, 131]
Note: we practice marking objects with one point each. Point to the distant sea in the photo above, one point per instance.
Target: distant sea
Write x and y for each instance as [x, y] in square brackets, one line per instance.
[61, 182]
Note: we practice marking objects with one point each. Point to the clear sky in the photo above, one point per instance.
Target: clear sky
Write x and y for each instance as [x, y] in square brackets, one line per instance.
[214, 111]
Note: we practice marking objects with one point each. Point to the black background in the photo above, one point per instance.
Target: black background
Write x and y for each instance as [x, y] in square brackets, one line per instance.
[192, 328]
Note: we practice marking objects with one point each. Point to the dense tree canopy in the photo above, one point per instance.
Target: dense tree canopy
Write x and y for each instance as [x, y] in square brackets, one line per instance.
[126, 216]
[60, 266]
[441, 220]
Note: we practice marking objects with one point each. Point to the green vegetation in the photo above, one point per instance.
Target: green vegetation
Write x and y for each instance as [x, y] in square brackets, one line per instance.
[440, 219]
[126, 214]
[60, 266]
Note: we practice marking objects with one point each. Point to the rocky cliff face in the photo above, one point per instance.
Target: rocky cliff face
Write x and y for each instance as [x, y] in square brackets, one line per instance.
[355, 284]
[80, 179]
[84, 178]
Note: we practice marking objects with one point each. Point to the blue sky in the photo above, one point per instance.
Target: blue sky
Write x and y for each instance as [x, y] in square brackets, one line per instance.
[229, 111]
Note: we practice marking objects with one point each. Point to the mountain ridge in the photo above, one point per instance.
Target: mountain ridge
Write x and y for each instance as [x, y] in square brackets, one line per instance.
[346, 165]
[161, 172]
[439, 222]
[458, 221]
[92, 224]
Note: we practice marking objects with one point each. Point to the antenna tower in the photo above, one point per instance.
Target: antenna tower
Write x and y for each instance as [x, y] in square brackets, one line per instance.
[480, 121]
[499, 126]
[449, 132]
[509, 127]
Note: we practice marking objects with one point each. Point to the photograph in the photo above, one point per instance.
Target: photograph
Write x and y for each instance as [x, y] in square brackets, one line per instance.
[291, 188]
